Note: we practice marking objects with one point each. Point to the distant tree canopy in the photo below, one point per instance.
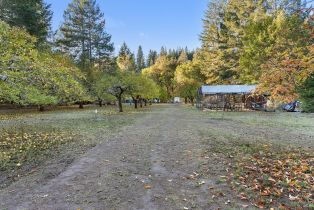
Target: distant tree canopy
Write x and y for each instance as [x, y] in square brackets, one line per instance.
[163, 67]
[264, 42]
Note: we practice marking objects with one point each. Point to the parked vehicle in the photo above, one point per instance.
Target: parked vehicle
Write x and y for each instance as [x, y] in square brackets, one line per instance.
[291, 107]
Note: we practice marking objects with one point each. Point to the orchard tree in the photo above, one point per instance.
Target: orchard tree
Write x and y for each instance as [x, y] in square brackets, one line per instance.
[33, 78]
[117, 85]
[124, 84]
[150, 89]
[141, 89]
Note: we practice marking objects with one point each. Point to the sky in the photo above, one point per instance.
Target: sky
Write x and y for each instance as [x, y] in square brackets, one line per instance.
[150, 23]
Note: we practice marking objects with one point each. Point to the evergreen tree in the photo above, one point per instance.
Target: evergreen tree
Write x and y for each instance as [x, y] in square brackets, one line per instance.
[190, 54]
[140, 60]
[183, 57]
[212, 23]
[163, 51]
[33, 15]
[125, 60]
[83, 33]
[172, 53]
[211, 54]
[306, 92]
[152, 57]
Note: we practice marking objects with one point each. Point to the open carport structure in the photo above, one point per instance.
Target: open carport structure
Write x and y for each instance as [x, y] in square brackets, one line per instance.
[229, 97]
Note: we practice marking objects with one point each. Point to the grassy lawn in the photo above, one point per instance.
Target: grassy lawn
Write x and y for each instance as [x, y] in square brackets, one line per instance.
[30, 138]
[268, 156]
[289, 120]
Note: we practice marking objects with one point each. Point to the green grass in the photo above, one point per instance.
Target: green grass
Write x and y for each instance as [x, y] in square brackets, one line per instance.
[29, 138]
[272, 167]
[279, 119]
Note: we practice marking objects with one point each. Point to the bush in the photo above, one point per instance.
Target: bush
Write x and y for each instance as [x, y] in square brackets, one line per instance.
[306, 92]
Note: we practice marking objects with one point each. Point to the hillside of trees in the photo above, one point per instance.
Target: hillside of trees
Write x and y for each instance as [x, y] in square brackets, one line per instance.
[264, 42]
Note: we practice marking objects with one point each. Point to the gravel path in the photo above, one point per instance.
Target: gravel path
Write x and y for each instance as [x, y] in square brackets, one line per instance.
[157, 163]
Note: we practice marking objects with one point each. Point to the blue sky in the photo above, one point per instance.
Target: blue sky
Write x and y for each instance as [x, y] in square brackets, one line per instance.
[150, 23]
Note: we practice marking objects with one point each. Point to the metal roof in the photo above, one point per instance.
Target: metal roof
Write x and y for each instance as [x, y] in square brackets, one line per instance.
[227, 89]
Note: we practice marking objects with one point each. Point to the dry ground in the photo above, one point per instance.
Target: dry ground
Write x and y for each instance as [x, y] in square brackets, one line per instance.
[172, 157]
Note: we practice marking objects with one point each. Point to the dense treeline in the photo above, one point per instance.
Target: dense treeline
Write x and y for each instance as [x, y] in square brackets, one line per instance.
[264, 42]
[74, 65]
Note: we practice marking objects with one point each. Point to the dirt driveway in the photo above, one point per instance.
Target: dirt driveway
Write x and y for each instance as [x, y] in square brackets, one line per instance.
[159, 162]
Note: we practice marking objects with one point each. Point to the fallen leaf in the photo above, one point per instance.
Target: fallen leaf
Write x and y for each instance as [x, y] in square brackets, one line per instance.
[293, 198]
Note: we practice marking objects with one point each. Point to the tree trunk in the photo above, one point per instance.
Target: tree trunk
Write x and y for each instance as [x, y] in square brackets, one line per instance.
[192, 101]
[135, 102]
[185, 100]
[141, 103]
[41, 108]
[81, 105]
[150, 102]
[100, 102]
[145, 102]
[120, 104]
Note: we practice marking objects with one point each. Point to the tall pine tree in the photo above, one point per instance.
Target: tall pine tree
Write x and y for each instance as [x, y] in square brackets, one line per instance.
[140, 60]
[183, 57]
[151, 58]
[83, 34]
